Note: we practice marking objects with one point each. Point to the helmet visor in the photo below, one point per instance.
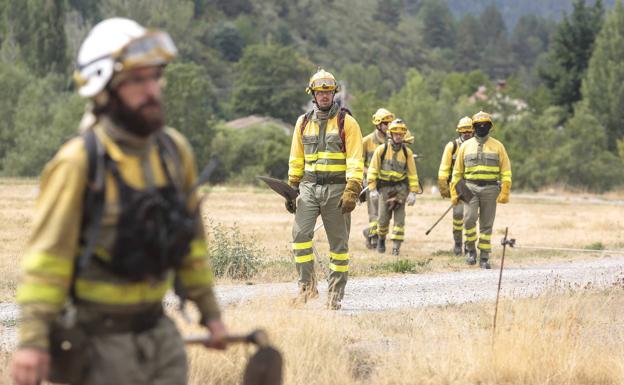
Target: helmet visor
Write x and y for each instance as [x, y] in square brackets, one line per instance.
[323, 85]
[155, 48]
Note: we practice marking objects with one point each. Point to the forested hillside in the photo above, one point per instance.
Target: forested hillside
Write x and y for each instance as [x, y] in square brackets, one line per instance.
[551, 80]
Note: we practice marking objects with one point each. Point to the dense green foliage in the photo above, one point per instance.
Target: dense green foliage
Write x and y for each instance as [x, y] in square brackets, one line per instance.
[548, 70]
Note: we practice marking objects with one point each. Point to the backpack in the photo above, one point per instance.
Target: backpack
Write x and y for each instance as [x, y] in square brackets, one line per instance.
[167, 208]
[453, 153]
[341, 119]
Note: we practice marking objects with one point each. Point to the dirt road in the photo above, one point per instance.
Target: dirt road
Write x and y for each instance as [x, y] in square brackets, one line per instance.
[412, 291]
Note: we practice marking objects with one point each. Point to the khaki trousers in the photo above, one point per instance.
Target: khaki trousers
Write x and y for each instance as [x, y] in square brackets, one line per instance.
[323, 200]
[153, 357]
[481, 207]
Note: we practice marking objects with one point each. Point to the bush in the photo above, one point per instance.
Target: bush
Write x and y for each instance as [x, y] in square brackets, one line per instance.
[232, 256]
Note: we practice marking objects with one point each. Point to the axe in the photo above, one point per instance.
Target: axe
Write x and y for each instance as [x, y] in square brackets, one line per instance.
[264, 366]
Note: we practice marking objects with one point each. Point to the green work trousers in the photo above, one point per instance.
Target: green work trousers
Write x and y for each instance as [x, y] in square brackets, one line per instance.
[458, 222]
[152, 357]
[385, 214]
[323, 200]
[482, 206]
[373, 213]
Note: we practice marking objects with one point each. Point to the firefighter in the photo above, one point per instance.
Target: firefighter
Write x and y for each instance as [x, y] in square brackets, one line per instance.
[326, 167]
[483, 163]
[465, 131]
[381, 119]
[393, 181]
[116, 220]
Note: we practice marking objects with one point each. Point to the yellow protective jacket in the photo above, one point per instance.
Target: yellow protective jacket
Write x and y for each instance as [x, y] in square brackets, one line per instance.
[448, 158]
[372, 141]
[49, 260]
[312, 156]
[370, 144]
[394, 167]
[487, 162]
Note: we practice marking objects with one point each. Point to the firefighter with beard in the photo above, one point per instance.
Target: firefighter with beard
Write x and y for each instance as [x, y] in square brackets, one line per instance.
[465, 130]
[116, 223]
[325, 166]
[483, 163]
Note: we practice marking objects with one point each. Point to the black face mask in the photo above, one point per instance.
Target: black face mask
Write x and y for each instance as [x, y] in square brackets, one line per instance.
[482, 130]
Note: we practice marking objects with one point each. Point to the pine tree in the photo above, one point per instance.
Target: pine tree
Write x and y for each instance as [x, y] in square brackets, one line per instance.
[603, 86]
[438, 24]
[569, 53]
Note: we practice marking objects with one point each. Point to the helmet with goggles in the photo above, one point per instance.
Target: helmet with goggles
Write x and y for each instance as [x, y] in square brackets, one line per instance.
[116, 45]
[464, 125]
[397, 126]
[382, 116]
[322, 81]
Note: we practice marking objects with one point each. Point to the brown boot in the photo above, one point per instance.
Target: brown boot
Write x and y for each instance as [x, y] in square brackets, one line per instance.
[306, 292]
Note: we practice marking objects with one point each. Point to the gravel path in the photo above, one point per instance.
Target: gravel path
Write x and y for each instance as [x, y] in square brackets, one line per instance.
[410, 291]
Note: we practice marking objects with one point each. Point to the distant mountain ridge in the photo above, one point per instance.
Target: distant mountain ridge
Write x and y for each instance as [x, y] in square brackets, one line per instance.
[512, 10]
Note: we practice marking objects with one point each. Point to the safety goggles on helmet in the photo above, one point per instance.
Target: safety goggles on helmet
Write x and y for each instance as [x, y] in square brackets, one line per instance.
[397, 127]
[154, 48]
[323, 85]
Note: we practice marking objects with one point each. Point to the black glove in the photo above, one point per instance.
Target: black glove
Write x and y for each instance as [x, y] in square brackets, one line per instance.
[291, 206]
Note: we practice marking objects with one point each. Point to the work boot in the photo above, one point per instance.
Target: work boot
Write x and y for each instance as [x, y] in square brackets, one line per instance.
[396, 248]
[366, 233]
[333, 301]
[457, 250]
[381, 245]
[373, 241]
[483, 260]
[306, 292]
[471, 259]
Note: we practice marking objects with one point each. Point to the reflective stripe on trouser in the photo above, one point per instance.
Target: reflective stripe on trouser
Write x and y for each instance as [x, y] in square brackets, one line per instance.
[315, 200]
[155, 356]
[398, 229]
[482, 206]
[373, 213]
[458, 222]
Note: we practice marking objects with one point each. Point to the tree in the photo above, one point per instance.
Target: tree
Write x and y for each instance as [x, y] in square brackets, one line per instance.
[46, 48]
[569, 53]
[438, 24]
[468, 48]
[13, 80]
[389, 11]
[228, 40]
[271, 81]
[602, 88]
[529, 39]
[190, 102]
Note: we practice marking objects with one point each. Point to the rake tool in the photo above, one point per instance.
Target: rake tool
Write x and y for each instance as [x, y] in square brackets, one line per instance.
[264, 367]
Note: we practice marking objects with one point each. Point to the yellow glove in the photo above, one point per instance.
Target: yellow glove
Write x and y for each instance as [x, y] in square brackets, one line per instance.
[444, 188]
[454, 196]
[503, 196]
[350, 196]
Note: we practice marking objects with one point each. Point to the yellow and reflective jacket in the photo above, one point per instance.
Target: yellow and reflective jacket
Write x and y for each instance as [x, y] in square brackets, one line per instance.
[370, 144]
[487, 162]
[393, 168]
[448, 158]
[313, 154]
[49, 260]
[372, 141]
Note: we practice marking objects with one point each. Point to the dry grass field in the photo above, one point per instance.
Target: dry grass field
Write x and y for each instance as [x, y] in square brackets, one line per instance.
[569, 338]
[566, 220]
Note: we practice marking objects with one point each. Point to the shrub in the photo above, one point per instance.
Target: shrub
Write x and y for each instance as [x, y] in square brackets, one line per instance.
[232, 255]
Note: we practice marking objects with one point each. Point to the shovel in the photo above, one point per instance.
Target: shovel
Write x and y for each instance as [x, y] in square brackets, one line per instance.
[264, 366]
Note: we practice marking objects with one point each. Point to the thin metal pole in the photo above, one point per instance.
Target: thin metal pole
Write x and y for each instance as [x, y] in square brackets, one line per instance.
[500, 279]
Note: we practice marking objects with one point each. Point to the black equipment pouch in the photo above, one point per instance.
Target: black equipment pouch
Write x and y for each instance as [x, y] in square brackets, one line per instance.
[69, 353]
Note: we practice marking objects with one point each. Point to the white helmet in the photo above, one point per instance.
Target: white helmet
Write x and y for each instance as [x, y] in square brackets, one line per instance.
[118, 44]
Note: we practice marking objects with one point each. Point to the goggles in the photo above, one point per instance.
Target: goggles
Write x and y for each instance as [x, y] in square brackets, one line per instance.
[154, 48]
[323, 85]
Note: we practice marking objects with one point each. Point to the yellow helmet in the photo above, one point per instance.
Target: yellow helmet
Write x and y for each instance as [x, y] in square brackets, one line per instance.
[397, 126]
[322, 81]
[465, 125]
[382, 115]
[482, 117]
